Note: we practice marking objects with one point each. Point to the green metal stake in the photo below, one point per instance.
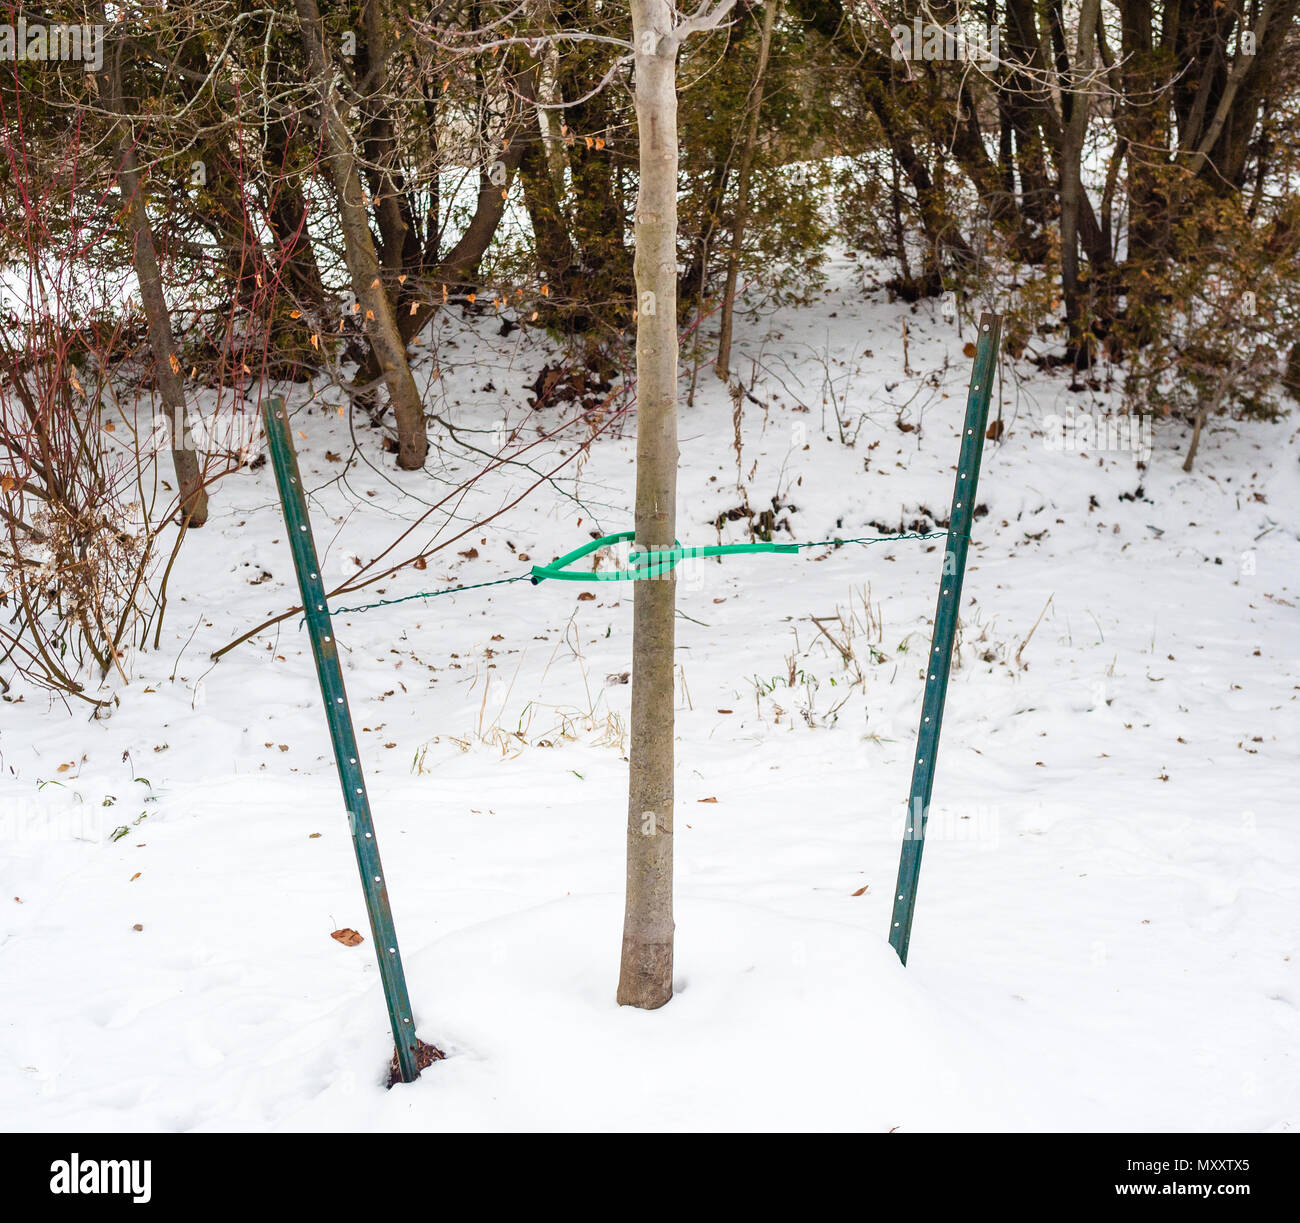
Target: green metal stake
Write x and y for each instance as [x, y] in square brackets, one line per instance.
[328, 672]
[945, 631]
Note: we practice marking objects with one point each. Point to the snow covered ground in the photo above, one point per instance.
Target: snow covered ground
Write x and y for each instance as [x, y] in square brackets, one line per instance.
[1106, 928]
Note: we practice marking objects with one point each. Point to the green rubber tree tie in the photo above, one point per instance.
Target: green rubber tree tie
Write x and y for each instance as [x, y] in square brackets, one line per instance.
[652, 563]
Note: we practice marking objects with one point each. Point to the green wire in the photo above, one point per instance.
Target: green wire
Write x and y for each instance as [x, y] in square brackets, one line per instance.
[427, 594]
[649, 564]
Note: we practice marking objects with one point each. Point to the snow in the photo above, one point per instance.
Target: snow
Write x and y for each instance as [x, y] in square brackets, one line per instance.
[1105, 931]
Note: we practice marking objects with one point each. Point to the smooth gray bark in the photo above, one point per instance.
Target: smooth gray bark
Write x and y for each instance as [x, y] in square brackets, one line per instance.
[646, 976]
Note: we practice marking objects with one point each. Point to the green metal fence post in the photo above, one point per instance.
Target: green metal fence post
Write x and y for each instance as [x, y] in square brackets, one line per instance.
[939, 660]
[312, 587]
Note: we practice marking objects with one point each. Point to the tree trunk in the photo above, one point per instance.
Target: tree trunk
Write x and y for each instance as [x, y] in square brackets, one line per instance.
[286, 215]
[723, 363]
[1075, 129]
[550, 229]
[593, 205]
[359, 251]
[167, 367]
[1197, 425]
[462, 259]
[399, 244]
[1025, 107]
[1207, 404]
[646, 976]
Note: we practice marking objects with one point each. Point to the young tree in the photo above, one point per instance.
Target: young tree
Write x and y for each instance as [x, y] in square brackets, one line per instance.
[646, 975]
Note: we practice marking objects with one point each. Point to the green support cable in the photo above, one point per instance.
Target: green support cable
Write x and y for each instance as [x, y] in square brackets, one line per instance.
[663, 560]
[939, 659]
[330, 675]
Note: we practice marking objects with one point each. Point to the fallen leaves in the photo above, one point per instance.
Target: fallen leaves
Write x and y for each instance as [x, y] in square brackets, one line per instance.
[861, 891]
[585, 596]
[425, 1056]
[349, 938]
